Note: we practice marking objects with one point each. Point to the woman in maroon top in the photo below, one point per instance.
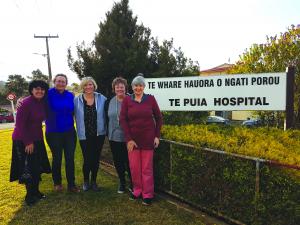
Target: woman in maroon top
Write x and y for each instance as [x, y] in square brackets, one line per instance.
[141, 121]
[28, 144]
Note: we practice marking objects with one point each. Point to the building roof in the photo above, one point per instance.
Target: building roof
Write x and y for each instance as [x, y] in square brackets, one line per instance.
[218, 69]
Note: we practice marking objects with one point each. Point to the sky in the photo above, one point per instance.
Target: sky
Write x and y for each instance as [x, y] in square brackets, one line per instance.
[211, 32]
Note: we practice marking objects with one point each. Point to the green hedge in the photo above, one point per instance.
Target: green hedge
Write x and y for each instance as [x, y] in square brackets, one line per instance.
[272, 143]
[226, 184]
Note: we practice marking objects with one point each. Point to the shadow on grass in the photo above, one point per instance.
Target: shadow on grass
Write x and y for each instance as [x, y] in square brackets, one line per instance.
[104, 207]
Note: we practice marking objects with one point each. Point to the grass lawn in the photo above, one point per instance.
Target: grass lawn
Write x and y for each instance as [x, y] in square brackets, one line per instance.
[105, 207]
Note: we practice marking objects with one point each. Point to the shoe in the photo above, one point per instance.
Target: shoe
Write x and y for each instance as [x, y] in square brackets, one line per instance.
[30, 200]
[85, 186]
[95, 187]
[147, 201]
[132, 196]
[121, 189]
[58, 188]
[40, 195]
[130, 189]
[74, 189]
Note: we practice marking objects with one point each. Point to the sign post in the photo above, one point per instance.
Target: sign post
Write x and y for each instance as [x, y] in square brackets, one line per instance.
[11, 97]
[290, 84]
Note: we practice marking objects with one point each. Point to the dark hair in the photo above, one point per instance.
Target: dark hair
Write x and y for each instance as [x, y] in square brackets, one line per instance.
[37, 83]
[61, 75]
[119, 80]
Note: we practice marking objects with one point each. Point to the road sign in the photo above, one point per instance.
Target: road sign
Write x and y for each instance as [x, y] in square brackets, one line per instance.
[11, 97]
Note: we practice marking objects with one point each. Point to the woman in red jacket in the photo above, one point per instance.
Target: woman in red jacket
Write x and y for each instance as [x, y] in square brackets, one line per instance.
[141, 121]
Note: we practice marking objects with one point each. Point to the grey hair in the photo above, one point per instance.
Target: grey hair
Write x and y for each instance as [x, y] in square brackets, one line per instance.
[139, 80]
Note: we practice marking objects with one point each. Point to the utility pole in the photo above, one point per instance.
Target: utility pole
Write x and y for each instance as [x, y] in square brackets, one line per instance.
[48, 54]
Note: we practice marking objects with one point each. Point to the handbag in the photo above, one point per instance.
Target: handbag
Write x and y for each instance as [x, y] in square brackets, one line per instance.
[26, 176]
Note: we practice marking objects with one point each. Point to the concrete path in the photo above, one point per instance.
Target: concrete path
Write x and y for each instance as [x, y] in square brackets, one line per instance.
[7, 126]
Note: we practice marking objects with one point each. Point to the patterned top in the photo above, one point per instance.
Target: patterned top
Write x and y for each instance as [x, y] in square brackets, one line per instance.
[90, 119]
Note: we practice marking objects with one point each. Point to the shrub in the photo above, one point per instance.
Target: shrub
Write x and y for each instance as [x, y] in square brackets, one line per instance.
[225, 184]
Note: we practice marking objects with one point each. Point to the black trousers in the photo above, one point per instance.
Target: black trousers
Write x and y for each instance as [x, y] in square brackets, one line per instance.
[91, 151]
[120, 157]
[59, 143]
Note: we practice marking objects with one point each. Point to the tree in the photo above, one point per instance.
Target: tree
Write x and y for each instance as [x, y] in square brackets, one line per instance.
[122, 47]
[75, 88]
[167, 61]
[38, 75]
[275, 55]
[16, 84]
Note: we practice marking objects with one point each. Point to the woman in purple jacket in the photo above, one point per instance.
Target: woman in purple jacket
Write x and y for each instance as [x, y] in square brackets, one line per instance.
[28, 144]
[141, 121]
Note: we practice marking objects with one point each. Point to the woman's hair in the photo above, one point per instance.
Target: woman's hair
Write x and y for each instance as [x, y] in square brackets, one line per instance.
[119, 80]
[61, 75]
[139, 80]
[38, 83]
[85, 80]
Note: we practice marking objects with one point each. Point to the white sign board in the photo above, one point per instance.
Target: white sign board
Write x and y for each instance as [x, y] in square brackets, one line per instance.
[265, 91]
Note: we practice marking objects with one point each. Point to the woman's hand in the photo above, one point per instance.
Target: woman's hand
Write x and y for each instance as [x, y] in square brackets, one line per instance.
[130, 145]
[29, 149]
[19, 103]
[156, 142]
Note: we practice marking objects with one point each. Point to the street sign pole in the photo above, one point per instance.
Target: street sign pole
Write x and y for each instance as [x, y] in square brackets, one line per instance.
[13, 110]
[10, 97]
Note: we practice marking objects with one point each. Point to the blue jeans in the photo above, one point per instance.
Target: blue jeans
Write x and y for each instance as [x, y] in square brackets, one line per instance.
[59, 143]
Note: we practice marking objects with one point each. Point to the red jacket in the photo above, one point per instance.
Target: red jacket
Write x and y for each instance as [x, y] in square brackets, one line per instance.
[142, 121]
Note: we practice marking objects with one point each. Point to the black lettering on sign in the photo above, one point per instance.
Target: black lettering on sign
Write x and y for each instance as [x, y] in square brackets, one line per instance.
[194, 102]
[151, 85]
[169, 84]
[174, 102]
[265, 80]
[239, 81]
[241, 101]
[198, 83]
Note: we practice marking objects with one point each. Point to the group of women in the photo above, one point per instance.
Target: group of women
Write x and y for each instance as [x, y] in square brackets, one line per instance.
[131, 122]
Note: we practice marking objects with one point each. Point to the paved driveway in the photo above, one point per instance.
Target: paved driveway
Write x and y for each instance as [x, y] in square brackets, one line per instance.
[6, 125]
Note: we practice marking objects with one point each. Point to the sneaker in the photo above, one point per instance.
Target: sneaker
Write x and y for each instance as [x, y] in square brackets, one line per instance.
[95, 187]
[147, 201]
[74, 189]
[132, 196]
[58, 188]
[85, 186]
[40, 195]
[121, 189]
[130, 189]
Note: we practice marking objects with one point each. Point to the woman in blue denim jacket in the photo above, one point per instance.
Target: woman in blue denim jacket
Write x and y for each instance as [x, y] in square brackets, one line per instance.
[91, 129]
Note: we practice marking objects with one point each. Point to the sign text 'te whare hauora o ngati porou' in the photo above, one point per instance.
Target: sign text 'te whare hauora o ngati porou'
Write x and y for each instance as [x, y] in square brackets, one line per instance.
[265, 91]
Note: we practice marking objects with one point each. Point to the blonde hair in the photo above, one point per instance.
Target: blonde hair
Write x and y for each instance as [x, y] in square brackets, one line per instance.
[85, 80]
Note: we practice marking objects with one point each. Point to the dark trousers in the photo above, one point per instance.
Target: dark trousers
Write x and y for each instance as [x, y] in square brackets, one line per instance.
[35, 164]
[59, 143]
[120, 157]
[91, 151]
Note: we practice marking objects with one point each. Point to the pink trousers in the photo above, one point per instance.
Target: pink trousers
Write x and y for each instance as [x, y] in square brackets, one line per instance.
[141, 168]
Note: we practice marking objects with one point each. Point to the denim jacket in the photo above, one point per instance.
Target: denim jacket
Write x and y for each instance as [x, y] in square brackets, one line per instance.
[79, 115]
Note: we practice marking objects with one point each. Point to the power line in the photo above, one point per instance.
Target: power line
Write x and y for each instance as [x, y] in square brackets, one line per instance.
[48, 54]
